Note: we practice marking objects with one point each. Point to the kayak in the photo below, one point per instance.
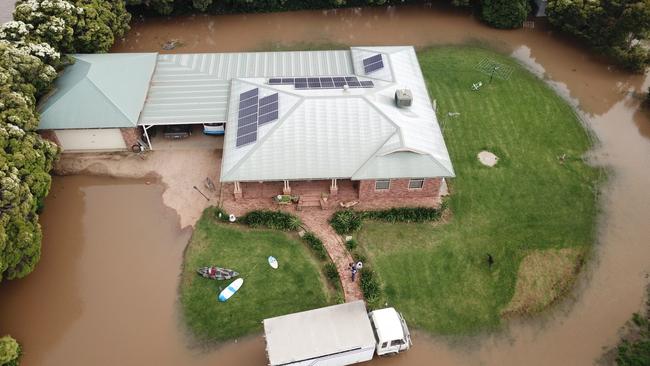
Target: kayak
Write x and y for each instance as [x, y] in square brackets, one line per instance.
[217, 273]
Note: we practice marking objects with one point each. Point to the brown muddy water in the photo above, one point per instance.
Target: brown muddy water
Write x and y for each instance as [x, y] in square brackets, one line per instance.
[105, 291]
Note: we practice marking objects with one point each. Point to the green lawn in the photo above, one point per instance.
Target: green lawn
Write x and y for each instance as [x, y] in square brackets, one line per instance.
[437, 275]
[297, 285]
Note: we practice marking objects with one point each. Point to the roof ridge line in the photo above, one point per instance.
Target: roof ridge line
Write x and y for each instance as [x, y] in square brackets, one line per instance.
[398, 128]
[374, 154]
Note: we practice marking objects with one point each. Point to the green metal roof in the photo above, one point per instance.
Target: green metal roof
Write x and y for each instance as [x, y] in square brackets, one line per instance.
[99, 91]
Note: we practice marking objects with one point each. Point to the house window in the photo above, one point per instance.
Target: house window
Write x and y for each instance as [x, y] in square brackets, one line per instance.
[416, 183]
[382, 184]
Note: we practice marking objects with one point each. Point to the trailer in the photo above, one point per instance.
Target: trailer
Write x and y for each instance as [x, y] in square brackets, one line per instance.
[334, 336]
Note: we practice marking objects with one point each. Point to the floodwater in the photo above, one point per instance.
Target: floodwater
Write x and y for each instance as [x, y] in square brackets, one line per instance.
[86, 316]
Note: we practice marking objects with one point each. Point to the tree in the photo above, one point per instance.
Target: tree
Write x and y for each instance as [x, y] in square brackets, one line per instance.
[25, 159]
[506, 14]
[98, 24]
[9, 351]
[51, 22]
[615, 28]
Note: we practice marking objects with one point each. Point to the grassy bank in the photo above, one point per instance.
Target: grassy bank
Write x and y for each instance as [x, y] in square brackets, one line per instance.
[538, 200]
[297, 285]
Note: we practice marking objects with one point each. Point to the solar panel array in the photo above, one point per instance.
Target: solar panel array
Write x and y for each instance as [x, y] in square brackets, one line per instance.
[373, 63]
[327, 82]
[253, 112]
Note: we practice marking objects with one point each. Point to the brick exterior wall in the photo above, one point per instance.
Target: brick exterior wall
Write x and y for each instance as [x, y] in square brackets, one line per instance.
[131, 136]
[399, 188]
[49, 135]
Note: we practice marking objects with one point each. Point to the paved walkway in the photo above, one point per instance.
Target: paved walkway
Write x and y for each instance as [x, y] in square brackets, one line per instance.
[317, 221]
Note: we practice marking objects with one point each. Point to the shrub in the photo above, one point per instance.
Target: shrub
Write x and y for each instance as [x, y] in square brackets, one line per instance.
[351, 244]
[9, 351]
[370, 285]
[505, 14]
[316, 245]
[405, 214]
[220, 214]
[277, 220]
[358, 257]
[332, 274]
[346, 221]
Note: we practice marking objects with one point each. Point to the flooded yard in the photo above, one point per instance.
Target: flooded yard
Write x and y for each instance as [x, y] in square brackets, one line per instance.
[105, 290]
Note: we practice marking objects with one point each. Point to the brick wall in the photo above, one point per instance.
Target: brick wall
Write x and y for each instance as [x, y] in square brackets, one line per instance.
[399, 188]
[131, 136]
[49, 135]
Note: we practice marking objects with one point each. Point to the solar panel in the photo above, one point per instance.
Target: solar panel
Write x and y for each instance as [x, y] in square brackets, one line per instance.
[248, 110]
[373, 63]
[371, 60]
[266, 118]
[269, 99]
[246, 139]
[269, 108]
[246, 129]
[249, 94]
[247, 103]
[251, 119]
[323, 82]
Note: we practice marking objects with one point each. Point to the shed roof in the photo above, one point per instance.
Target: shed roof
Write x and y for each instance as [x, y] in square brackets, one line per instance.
[314, 333]
[99, 91]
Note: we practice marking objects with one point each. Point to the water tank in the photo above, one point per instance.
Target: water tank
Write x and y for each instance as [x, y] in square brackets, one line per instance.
[403, 98]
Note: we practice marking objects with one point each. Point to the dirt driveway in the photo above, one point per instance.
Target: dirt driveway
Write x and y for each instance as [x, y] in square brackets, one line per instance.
[179, 170]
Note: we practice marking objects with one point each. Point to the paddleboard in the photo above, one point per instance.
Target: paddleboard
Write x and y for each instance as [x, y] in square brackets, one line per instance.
[231, 289]
[273, 262]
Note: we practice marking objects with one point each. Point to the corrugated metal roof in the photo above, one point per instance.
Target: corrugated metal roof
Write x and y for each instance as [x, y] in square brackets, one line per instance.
[334, 133]
[319, 332]
[194, 88]
[99, 91]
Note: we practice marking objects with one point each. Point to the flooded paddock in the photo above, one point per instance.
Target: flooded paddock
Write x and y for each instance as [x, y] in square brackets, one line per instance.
[105, 290]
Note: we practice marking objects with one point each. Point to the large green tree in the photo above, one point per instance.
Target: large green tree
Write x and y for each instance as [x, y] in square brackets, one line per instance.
[613, 27]
[25, 159]
[99, 24]
[506, 14]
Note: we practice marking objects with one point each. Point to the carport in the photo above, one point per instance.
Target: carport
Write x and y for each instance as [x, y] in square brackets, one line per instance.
[183, 94]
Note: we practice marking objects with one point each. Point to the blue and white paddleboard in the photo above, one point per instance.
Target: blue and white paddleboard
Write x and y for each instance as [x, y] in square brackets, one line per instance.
[231, 289]
[273, 262]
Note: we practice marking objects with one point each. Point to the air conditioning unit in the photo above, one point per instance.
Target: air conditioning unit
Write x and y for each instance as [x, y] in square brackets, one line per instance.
[403, 98]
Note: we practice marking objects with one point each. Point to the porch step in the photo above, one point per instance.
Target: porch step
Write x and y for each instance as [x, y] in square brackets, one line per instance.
[311, 201]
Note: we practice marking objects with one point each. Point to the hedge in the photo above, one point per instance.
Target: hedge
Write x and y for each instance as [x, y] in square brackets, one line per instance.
[349, 221]
[277, 220]
[316, 245]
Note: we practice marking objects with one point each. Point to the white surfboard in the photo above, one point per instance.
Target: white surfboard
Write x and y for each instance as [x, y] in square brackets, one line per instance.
[231, 289]
[273, 262]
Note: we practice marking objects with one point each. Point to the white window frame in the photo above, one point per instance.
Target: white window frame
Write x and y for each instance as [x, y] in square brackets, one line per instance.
[382, 181]
[413, 180]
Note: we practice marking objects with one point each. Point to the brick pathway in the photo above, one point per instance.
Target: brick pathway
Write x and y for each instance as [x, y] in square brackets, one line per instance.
[317, 221]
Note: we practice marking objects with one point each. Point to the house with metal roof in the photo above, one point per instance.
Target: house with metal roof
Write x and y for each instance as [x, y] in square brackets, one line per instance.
[360, 117]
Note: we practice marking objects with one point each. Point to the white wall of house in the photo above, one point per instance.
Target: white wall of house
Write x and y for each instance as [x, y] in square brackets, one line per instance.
[91, 139]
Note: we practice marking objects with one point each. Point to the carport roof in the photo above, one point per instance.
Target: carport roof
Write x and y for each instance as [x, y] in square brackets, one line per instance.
[195, 88]
[99, 91]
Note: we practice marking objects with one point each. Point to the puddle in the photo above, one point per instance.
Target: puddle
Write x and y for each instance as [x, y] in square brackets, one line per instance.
[105, 291]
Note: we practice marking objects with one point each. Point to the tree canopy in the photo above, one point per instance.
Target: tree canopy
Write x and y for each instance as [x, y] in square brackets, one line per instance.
[615, 28]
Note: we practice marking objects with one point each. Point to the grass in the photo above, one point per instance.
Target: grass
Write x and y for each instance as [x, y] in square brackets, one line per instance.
[297, 285]
[532, 200]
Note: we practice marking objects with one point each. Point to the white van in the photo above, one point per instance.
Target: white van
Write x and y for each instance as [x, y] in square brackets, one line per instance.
[391, 332]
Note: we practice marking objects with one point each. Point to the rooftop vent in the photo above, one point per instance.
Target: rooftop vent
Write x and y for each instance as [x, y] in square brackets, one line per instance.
[403, 98]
